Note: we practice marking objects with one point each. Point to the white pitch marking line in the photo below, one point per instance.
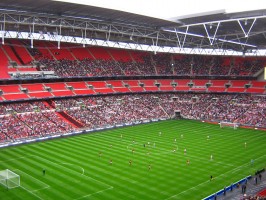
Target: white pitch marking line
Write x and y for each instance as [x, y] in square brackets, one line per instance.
[22, 157]
[209, 181]
[31, 192]
[88, 195]
[45, 185]
[75, 165]
[186, 190]
[41, 189]
[75, 172]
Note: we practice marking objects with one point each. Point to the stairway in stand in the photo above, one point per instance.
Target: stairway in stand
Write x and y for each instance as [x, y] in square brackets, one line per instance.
[69, 119]
[50, 104]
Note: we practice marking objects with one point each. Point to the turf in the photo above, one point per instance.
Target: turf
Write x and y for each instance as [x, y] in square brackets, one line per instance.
[79, 167]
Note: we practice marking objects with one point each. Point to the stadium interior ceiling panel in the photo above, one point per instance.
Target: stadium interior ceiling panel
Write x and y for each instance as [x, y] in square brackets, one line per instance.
[242, 32]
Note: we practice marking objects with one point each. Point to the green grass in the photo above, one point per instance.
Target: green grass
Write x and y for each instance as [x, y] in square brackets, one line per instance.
[74, 169]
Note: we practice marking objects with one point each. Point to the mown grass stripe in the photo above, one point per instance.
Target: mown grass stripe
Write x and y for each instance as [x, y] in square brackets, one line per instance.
[67, 159]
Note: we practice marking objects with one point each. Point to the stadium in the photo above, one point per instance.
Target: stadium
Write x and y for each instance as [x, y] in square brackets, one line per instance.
[104, 104]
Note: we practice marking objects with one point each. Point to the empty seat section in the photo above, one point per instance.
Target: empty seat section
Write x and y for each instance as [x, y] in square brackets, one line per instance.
[33, 87]
[4, 58]
[166, 88]
[115, 83]
[81, 53]
[165, 82]
[182, 85]
[255, 90]
[236, 83]
[40, 94]
[258, 84]
[45, 53]
[182, 82]
[10, 88]
[27, 69]
[147, 82]
[77, 85]
[149, 85]
[84, 92]
[63, 93]
[202, 89]
[15, 96]
[100, 53]
[56, 86]
[3, 65]
[40, 45]
[151, 88]
[216, 89]
[236, 89]
[12, 69]
[136, 89]
[97, 84]
[218, 83]
[11, 54]
[104, 90]
[22, 52]
[120, 55]
[200, 82]
[132, 83]
[138, 55]
[121, 89]
[182, 88]
[61, 53]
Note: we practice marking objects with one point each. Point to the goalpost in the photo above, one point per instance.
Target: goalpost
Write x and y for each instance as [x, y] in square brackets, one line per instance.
[228, 124]
[9, 179]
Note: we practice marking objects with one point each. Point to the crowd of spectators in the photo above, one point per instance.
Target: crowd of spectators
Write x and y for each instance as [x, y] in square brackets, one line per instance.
[27, 120]
[201, 65]
[110, 110]
[163, 64]
[243, 109]
[13, 108]
[13, 128]
[159, 64]
[35, 119]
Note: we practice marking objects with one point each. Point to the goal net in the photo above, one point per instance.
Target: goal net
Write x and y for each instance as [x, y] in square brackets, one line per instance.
[9, 179]
[229, 124]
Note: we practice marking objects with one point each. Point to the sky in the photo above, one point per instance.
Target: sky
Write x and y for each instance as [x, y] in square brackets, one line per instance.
[169, 9]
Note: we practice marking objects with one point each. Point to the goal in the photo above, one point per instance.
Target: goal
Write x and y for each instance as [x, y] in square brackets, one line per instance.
[9, 179]
[229, 124]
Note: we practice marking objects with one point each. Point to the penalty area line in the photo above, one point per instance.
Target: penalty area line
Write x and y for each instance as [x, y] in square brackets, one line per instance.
[32, 192]
[22, 157]
[83, 171]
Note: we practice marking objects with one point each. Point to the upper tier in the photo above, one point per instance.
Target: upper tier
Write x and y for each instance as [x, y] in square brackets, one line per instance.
[73, 60]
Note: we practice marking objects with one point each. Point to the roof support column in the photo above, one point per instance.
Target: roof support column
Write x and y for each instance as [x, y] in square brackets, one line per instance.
[211, 39]
[31, 36]
[185, 37]
[177, 36]
[3, 30]
[246, 34]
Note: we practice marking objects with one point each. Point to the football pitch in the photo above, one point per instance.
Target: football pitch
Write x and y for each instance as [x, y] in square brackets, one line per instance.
[136, 162]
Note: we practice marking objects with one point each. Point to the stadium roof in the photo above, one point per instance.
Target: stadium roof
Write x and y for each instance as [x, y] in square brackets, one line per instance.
[240, 31]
